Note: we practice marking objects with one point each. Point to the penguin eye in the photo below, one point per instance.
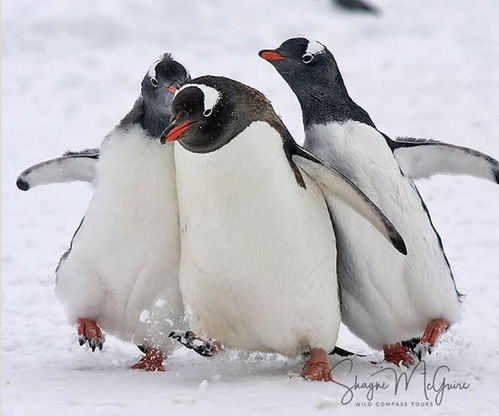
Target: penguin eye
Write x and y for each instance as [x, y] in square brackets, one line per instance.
[307, 58]
[154, 82]
[207, 112]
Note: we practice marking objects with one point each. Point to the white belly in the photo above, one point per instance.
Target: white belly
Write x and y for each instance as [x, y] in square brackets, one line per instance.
[122, 269]
[258, 264]
[386, 297]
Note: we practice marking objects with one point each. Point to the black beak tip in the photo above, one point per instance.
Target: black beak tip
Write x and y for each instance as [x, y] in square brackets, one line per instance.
[22, 184]
[162, 136]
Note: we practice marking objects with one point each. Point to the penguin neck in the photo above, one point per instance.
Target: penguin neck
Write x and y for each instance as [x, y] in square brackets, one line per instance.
[329, 102]
[155, 119]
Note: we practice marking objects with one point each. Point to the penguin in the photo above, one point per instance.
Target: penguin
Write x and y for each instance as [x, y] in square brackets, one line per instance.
[120, 273]
[386, 298]
[258, 257]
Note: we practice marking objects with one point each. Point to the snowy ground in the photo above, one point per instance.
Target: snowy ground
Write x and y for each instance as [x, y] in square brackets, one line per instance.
[71, 70]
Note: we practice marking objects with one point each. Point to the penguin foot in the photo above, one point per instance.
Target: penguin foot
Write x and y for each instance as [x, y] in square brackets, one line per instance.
[430, 336]
[205, 347]
[317, 367]
[152, 361]
[88, 330]
[398, 354]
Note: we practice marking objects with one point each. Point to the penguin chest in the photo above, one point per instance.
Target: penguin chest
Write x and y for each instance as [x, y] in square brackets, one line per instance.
[258, 251]
[386, 296]
[123, 263]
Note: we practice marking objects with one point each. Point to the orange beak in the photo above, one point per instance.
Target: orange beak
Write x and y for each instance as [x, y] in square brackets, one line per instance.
[174, 131]
[270, 55]
[172, 89]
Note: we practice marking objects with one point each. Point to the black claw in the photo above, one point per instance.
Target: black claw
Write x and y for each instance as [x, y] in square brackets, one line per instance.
[81, 340]
[175, 335]
[100, 345]
[92, 344]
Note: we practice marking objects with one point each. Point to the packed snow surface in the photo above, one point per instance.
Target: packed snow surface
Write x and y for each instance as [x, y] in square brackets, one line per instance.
[72, 69]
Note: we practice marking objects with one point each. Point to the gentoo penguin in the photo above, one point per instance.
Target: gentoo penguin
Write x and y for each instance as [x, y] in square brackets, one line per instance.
[258, 262]
[386, 298]
[121, 270]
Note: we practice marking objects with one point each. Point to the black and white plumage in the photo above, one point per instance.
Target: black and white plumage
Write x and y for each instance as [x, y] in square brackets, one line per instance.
[122, 266]
[386, 298]
[418, 159]
[424, 158]
[70, 167]
[258, 264]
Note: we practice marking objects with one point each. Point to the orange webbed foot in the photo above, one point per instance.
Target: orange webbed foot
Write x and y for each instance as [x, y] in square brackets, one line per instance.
[317, 367]
[431, 335]
[151, 361]
[89, 331]
[398, 354]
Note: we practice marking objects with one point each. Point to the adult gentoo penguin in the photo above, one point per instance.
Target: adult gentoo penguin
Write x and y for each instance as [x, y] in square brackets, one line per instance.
[121, 270]
[386, 298]
[258, 262]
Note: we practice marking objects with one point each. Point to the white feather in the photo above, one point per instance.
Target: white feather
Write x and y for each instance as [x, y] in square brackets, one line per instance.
[386, 297]
[211, 96]
[124, 258]
[258, 268]
[152, 69]
[315, 48]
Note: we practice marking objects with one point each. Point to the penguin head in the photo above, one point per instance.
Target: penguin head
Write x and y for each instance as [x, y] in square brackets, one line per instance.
[208, 112]
[312, 73]
[302, 62]
[164, 77]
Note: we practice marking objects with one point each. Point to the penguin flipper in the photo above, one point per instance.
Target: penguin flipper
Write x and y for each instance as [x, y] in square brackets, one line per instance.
[72, 166]
[423, 158]
[335, 184]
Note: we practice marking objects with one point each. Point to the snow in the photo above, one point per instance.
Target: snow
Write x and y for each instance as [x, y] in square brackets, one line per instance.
[72, 69]
[160, 303]
[144, 316]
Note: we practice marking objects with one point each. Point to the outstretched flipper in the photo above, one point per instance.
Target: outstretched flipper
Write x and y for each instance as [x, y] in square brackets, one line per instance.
[341, 352]
[423, 158]
[204, 347]
[72, 166]
[333, 183]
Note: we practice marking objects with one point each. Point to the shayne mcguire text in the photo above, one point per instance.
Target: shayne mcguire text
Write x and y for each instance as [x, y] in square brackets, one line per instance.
[432, 384]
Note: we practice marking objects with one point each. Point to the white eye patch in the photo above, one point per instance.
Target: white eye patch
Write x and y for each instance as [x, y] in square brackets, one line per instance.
[210, 94]
[152, 69]
[314, 48]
